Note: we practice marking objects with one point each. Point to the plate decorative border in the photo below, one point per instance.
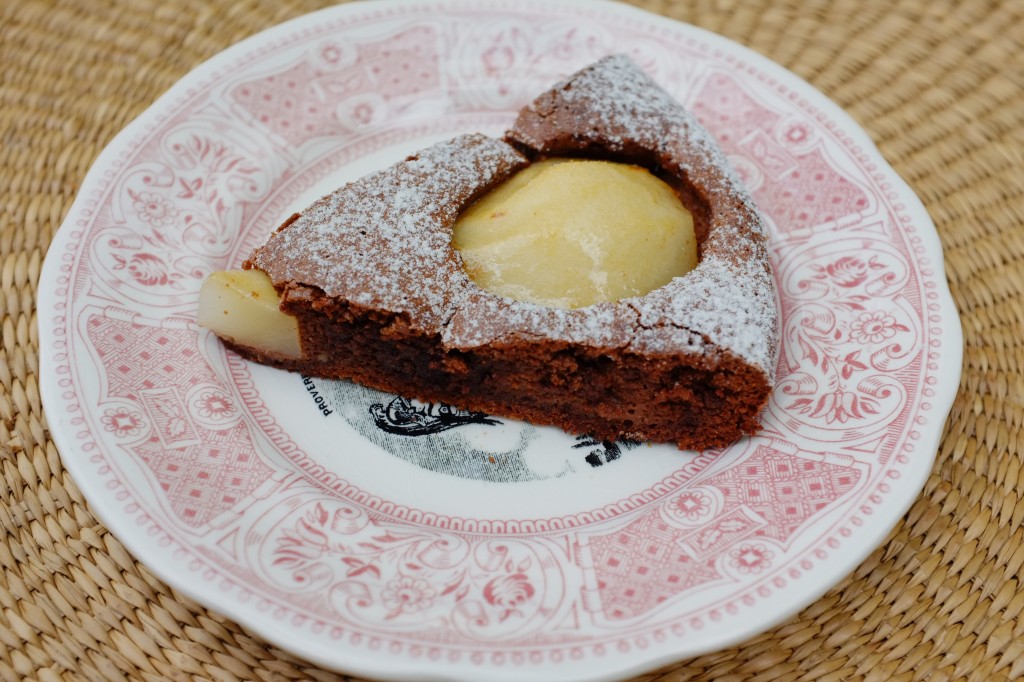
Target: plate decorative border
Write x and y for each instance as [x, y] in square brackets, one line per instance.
[171, 442]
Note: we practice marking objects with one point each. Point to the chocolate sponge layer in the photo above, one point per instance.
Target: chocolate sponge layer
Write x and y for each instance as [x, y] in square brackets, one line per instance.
[382, 298]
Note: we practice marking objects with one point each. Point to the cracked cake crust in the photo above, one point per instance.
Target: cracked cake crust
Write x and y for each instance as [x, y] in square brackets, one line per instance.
[382, 298]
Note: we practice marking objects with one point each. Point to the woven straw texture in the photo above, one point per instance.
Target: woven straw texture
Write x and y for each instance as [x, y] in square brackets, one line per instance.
[939, 85]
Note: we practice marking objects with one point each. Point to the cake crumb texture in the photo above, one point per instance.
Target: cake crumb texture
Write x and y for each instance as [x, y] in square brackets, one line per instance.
[382, 298]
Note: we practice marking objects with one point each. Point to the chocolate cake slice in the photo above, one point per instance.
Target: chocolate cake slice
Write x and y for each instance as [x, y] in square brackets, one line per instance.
[381, 297]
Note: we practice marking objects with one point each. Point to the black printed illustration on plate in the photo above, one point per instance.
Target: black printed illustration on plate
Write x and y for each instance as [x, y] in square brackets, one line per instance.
[404, 418]
[448, 440]
[604, 451]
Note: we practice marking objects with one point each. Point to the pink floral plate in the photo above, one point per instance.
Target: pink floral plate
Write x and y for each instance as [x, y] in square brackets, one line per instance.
[401, 540]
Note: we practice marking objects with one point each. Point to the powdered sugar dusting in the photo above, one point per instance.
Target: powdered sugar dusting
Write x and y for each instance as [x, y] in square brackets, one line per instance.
[613, 107]
[384, 242]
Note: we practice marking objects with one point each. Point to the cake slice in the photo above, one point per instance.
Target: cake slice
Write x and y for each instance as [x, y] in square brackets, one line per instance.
[380, 295]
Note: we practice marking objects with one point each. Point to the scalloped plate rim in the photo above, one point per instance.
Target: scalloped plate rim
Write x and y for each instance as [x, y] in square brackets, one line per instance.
[357, 661]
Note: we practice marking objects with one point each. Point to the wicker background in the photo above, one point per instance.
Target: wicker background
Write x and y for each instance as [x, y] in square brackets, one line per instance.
[938, 85]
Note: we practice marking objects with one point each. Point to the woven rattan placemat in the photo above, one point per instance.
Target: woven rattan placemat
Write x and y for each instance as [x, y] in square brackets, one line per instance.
[938, 85]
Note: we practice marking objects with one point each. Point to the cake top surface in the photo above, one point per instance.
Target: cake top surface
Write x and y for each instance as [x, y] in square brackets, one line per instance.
[384, 241]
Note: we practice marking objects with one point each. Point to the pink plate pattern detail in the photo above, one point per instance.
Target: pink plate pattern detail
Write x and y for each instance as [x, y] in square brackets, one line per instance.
[186, 454]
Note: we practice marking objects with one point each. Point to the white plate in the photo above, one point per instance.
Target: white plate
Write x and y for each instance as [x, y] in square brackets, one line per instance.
[497, 551]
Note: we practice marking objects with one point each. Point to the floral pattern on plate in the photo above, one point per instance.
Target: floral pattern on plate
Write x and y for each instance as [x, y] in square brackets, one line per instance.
[250, 489]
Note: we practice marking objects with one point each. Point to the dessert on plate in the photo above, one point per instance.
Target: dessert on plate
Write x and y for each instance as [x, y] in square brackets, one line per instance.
[600, 269]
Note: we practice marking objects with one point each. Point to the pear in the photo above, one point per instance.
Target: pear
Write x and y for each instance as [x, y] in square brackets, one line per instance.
[568, 233]
[242, 306]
